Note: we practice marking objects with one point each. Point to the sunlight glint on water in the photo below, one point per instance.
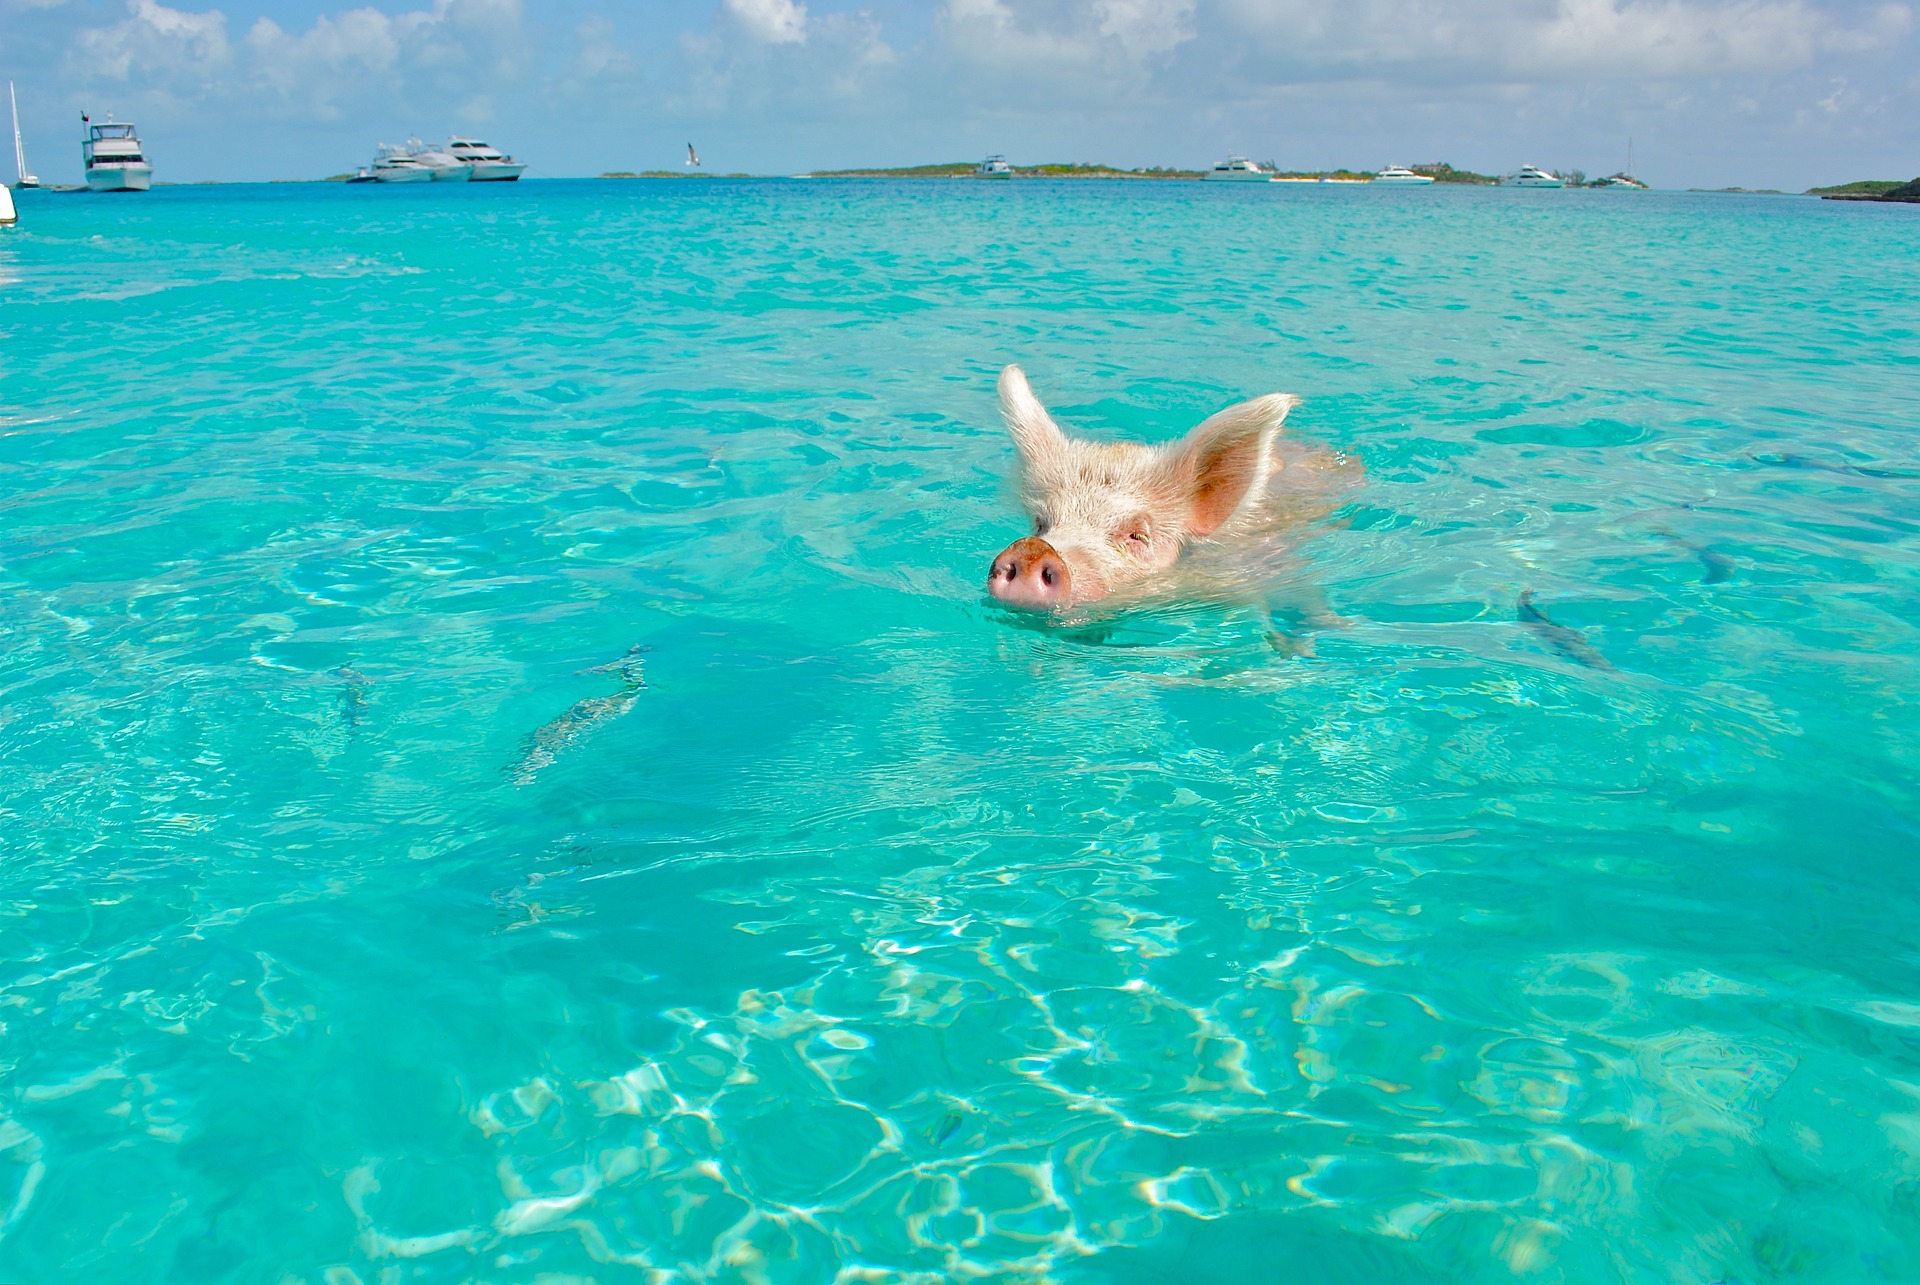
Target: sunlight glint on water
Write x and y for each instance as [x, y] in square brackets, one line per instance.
[510, 775]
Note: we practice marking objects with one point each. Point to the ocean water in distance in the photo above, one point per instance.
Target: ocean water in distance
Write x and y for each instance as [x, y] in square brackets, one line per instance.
[510, 776]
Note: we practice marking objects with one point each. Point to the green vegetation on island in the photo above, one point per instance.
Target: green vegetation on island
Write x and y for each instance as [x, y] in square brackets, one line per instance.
[1316, 176]
[1871, 189]
[1860, 187]
[1442, 172]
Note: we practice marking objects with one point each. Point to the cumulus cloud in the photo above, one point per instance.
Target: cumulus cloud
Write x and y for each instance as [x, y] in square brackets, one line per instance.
[1145, 27]
[777, 22]
[192, 45]
[341, 59]
[1063, 35]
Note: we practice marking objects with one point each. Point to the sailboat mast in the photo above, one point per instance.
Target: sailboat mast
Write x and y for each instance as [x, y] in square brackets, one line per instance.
[19, 149]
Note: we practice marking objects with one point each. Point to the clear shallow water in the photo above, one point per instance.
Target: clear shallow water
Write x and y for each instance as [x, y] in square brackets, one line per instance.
[355, 929]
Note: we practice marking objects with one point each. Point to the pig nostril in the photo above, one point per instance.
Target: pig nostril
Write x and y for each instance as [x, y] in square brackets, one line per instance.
[1046, 575]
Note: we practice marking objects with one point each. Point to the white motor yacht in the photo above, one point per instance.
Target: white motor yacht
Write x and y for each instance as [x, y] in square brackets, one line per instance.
[490, 164]
[112, 158]
[446, 167]
[1238, 169]
[1626, 181]
[994, 166]
[399, 165]
[1532, 176]
[21, 176]
[1401, 176]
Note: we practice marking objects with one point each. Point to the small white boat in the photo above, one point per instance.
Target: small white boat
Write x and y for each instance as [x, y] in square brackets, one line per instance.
[490, 164]
[1238, 169]
[994, 166]
[399, 165]
[1401, 176]
[112, 158]
[21, 176]
[7, 213]
[1626, 181]
[1532, 176]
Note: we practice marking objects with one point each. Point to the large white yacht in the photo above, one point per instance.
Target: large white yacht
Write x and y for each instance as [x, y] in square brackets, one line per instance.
[490, 164]
[994, 166]
[1401, 176]
[1532, 176]
[1238, 169]
[111, 156]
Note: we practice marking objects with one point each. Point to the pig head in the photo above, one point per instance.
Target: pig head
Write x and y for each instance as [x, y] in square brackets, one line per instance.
[1109, 516]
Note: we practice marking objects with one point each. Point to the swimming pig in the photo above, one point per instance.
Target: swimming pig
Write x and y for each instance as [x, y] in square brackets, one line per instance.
[1109, 517]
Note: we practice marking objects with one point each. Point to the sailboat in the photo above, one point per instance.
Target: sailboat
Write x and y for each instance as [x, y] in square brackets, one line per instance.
[21, 177]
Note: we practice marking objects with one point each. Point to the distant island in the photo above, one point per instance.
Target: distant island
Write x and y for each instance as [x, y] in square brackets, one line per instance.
[1438, 171]
[1871, 189]
[968, 169]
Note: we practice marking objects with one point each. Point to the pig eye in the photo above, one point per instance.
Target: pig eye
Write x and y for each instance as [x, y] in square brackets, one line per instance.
[1041, 526]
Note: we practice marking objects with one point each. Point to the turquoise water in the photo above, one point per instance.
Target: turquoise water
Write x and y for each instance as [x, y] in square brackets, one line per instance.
[375, 912]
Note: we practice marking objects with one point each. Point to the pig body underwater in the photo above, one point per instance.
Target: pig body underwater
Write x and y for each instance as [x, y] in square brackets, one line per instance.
[1112, 519]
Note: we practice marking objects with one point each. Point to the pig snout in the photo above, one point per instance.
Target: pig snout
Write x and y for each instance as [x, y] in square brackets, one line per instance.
[1030, 573]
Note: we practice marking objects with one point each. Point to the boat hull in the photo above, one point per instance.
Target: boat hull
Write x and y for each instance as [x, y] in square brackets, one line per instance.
[404, 174]
[1239, 176]
[453, 174]
[1420, 181]
[119, 178]
[497, 172]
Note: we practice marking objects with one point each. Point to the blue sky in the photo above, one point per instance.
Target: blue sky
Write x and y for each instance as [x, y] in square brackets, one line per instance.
[1773, 93]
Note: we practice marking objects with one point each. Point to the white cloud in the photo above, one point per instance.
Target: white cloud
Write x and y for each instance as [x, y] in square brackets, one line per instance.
[342, 60]
[777, 22]
[1145, 27]
[1062, 36]
[360, 39]
[192, 45]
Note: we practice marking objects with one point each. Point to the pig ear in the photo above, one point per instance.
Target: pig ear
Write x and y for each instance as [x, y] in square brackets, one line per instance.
[1223, 465]
[1034, 432]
